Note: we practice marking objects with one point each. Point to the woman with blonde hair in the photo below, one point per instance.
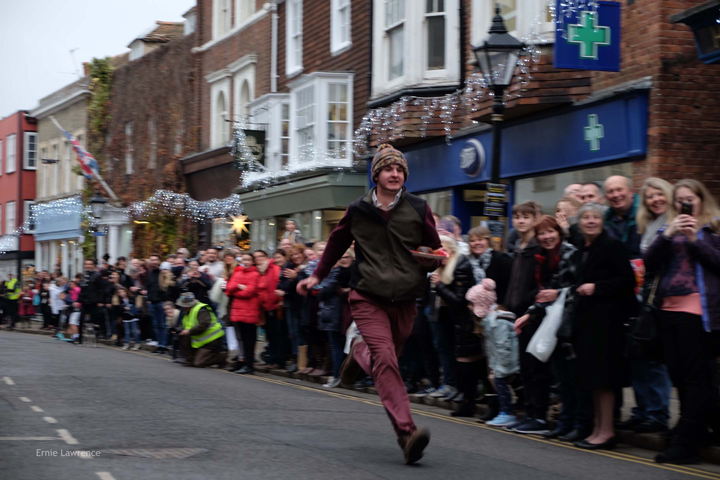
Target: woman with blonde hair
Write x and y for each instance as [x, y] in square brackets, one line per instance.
[655, 204]
[687, 253]
[452, 321]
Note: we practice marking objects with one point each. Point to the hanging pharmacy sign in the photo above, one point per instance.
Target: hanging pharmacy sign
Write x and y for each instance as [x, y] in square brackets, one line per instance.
[587, 36]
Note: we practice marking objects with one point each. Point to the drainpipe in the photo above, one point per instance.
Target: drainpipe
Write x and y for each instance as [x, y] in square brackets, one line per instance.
[20, 140]
[273, 48]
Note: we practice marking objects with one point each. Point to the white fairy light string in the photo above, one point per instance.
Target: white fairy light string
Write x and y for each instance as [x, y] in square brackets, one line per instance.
[181, 204]
[57, 208]
[163, 201]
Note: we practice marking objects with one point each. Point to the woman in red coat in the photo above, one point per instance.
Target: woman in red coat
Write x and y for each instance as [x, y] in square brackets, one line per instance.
[270, 302]
[242, 288]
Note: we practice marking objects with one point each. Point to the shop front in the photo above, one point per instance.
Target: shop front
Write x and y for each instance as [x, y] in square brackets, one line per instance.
[58, 237]
[541, 155]
[316, 204]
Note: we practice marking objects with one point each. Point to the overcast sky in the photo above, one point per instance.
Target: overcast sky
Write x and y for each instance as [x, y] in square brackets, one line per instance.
[36, 37]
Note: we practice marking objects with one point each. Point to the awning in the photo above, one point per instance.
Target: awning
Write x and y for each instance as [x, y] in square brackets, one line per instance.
[330, 191]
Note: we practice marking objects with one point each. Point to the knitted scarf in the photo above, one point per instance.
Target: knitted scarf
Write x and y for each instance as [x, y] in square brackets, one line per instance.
[651, 232]
[480, 265]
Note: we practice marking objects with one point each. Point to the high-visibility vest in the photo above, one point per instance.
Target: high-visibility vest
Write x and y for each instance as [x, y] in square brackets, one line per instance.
[13, 293]
[213, 332]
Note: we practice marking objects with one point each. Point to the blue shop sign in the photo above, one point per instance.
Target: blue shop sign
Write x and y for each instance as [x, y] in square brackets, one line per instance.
[588, 40]
[598, 132]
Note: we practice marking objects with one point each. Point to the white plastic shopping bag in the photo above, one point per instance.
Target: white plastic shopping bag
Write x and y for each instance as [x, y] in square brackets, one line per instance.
[75, 318]
[543, 343]
[232, 342]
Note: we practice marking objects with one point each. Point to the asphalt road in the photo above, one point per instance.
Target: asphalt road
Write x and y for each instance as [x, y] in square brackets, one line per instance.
[211, 424]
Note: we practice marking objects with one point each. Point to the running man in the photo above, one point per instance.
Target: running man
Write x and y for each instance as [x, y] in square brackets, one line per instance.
[386, 223]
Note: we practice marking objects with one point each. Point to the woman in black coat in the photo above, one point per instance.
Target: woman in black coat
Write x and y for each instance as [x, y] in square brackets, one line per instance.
[487, 262]
[605, 300]
[449, 306]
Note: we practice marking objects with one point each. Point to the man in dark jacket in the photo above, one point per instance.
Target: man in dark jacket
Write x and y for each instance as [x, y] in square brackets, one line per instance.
[520, 295]
[155, 298]
[91, 296]
[650, 379]
[386, 224]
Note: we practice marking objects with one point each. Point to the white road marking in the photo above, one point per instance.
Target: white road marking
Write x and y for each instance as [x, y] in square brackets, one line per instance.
[50, 419]
[25, 399]
[37, 409]
[65, 435]
[15, 439]
[105, 475]
[8, 380]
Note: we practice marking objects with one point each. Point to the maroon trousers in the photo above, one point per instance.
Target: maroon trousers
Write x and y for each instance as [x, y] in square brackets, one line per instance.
[384, 328]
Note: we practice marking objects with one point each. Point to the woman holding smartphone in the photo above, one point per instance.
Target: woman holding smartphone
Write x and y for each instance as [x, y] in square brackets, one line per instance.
[687, 252]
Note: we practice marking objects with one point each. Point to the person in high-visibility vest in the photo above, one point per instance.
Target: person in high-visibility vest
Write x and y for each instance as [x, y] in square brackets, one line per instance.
[12, 295]
[201, 339]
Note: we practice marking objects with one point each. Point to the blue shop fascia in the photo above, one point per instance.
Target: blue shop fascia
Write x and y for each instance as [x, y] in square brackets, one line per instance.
[541, 155]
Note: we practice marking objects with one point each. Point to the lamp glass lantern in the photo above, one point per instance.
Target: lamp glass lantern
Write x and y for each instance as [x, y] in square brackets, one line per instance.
[97, 205]
[497, 56]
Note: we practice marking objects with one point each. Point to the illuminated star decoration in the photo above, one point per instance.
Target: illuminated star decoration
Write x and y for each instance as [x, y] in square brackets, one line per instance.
[239, 224]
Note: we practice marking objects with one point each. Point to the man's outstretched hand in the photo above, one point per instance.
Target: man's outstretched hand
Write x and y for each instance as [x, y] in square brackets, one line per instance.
[305, 285]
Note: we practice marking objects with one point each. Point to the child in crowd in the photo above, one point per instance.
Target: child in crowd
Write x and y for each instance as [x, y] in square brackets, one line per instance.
[129, 314]
[501, 346]
[520, 295]
[73, 308]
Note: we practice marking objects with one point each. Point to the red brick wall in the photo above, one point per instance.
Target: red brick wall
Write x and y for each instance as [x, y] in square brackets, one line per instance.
[157, 86]
[10, 186]
[253, 39]
[684, 103]
[316, 48]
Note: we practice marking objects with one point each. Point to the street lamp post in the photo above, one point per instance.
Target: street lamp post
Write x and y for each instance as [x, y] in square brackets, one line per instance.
[497, 57]
[97, 205]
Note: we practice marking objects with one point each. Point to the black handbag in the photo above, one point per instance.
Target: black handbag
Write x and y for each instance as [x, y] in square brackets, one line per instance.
[643, 340]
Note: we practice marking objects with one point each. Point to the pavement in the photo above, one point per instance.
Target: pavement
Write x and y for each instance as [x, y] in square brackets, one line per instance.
[142, 416]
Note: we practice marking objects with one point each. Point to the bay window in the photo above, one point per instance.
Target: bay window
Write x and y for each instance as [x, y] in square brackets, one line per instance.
[337, 107]
[305, 116]
[321, 106]
[272, 112]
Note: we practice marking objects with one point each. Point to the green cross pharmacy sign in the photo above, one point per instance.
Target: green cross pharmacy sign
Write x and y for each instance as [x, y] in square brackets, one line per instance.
[594, 132]
[588, 35]
[588, 39]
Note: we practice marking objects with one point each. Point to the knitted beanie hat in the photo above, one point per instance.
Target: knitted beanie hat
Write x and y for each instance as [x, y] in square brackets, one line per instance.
[482, 296]
[388, 155]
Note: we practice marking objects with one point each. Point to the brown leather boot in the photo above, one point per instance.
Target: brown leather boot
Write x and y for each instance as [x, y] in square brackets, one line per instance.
[414, 444]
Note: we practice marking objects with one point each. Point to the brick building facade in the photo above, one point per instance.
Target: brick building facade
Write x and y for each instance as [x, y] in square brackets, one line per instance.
[311, 99]
[57, 236]
[151, 124]
[18, 162]
[661, 107]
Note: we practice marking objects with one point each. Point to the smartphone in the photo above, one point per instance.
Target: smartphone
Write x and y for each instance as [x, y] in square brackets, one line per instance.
[686, 209]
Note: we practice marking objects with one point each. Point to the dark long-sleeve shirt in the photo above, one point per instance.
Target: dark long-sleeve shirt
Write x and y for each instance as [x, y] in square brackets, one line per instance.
[384, 239]
[341, 239]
